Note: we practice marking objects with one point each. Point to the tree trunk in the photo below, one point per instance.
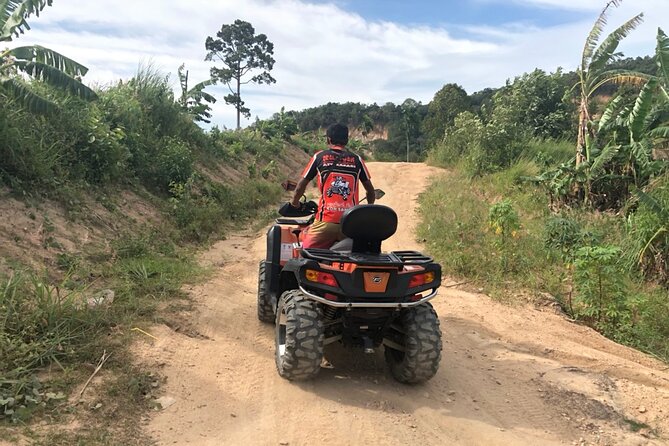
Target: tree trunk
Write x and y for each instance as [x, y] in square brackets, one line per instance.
[407, 145]
[239, 99]
[583, 118]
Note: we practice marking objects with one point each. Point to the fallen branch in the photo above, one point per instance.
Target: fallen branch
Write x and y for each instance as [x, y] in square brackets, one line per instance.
[137, 329]
[101, 362]
[456, 284]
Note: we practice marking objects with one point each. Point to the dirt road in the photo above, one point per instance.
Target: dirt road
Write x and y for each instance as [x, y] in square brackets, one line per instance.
[508, 375]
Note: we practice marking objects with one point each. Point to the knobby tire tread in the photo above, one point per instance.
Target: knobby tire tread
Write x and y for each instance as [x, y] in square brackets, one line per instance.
[422, 341]
[304, 337]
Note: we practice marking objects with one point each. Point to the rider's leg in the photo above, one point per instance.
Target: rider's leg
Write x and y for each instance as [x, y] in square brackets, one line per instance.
[321, 235]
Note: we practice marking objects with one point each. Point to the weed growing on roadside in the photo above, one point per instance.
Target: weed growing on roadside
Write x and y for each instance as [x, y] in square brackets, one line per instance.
[504, 222]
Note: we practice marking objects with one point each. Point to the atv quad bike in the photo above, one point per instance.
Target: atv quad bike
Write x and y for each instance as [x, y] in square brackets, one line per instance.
[352, 293]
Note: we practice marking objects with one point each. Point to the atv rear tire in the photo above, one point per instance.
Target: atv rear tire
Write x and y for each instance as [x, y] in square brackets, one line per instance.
[299, 336]
[417, 329]
[265, 308]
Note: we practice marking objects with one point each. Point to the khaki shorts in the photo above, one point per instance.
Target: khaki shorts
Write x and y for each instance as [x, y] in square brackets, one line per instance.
[322, 234]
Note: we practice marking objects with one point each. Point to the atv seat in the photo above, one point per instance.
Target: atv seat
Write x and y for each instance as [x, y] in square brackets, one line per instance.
[368, 225]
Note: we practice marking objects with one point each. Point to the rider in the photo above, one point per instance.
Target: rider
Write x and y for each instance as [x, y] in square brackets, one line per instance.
[338, 172]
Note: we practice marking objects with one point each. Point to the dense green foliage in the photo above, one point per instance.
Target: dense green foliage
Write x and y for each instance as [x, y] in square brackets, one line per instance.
[575, 256]
[137, 135]
[609, 270]
[35, 61]
[401, 124]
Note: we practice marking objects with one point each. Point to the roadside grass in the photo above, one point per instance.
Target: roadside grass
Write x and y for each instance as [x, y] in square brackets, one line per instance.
[455, 224]
[50, 332]
[568, 256]
[51, 338]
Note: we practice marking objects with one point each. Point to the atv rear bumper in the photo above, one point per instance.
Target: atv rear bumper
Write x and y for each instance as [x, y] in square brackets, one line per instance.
[398, 305]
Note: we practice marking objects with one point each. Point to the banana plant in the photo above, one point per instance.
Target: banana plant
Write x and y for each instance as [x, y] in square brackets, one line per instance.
[34, 61]
[192, 98]
[594, 73]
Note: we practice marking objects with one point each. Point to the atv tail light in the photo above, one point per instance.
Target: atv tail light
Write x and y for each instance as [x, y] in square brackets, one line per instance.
[321, 277]
[421, 279]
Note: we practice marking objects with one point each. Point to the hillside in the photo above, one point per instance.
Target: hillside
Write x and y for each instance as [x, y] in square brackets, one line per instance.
[37, 232]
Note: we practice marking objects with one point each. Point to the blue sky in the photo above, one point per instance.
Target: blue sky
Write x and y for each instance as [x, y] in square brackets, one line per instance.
[452, 14]
[340, 50]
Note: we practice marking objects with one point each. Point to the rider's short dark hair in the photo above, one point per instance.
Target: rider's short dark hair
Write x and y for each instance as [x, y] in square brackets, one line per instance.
[338, 134]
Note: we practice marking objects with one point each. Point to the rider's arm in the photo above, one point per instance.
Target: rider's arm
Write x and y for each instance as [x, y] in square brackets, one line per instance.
[299, 191]
[369, 188]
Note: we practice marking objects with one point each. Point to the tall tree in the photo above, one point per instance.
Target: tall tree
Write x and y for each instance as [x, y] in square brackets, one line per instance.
[36, 61]
[241, 51]
[410, 121]
[448, 102]
[192, 98]
[595, 72]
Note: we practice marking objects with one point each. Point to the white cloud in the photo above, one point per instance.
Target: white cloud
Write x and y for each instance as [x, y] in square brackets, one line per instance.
[323, 52]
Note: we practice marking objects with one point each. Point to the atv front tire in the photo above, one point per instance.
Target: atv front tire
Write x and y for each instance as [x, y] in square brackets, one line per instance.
[265, 308]
[417, 330]
[299, 336]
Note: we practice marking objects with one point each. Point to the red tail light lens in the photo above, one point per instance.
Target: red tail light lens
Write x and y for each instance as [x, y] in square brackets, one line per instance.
[417, 280]
[421, 279]
[321, 277]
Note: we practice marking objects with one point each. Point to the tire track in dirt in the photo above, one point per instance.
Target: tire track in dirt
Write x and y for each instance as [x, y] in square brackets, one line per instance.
[505, 376]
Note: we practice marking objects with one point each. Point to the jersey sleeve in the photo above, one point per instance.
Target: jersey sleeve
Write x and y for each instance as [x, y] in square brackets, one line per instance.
[364, 172]
[311, 170]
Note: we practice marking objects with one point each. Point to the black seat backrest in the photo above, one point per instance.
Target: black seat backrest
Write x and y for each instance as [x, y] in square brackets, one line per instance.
[368, 225]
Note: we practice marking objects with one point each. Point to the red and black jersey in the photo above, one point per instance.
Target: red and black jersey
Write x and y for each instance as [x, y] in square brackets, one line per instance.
[338, 172]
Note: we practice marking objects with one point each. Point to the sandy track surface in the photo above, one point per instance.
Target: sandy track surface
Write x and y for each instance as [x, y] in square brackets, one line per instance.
[520, 375]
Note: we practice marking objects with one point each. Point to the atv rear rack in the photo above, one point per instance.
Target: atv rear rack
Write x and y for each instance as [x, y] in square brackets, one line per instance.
[395, 258]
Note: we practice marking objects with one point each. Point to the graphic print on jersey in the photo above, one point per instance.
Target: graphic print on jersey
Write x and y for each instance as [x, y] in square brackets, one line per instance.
[338, 196]
[340, 187]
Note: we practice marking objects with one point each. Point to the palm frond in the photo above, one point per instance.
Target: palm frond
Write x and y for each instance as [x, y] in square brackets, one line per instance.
[642, 153]
[609, 112]
[22, 93]
[182, 74]
[662, 56]
[608, 153]
[653, 205]
[595, 34]
[13, 15]
[618, 77]
[607, 50]
[36, 53]
[201, 95]
[665, 94]
[56, 78]
[660, 132]
[642, 107]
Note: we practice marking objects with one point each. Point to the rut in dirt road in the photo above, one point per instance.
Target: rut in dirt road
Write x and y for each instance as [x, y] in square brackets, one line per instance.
[507, 376]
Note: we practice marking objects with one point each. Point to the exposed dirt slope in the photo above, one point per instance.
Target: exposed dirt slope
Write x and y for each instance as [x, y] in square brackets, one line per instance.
[508, 375]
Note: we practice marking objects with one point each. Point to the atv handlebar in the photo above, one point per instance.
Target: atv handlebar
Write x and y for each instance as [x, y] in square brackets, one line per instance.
[305, 209]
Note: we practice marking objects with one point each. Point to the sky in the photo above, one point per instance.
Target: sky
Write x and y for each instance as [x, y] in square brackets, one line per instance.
[339, 50]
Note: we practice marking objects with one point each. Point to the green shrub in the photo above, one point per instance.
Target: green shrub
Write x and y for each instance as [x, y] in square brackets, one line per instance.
[484, 148]
[563, 235]
[504, 222]
[197, 216]
[647, 237]
[600, 287]
[173, 163]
